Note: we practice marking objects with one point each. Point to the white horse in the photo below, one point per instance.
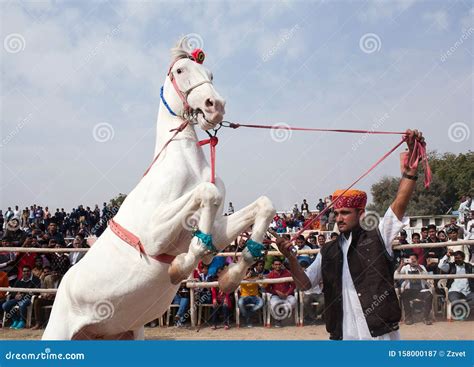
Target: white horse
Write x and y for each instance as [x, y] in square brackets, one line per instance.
[116, 289]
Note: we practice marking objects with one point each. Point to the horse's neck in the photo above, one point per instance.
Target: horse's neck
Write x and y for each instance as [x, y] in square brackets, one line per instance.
[165, 123]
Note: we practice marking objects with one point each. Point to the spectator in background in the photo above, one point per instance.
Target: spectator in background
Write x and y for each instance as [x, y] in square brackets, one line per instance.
[9, 214]
[3, 295]
[464, 209]
[320, 205]
[249, 296]
[305, 208]
[433, 254]
[331, 220]
[230, 210]
[2, 221]
[442, 237]
[416, 239]
[78, 242]
[415, 289]
[334, 236]
[424, 234]
[59, 261]
[321, 240]
[204, 295]
[52, 233]
[304, 259]
[282, 294]
[461, 288]
[182, 299]
[453, 237]
[50, 281]
[13, 236]
[259, 269]
[23, 300]
[221, 303]
[37, 270]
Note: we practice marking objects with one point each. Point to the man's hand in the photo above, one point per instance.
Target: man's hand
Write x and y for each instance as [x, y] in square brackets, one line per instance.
[285, 246]
[413, 135]
[18, 296]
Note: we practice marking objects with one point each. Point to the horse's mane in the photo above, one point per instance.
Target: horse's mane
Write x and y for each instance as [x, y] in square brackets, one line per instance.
[181, 49]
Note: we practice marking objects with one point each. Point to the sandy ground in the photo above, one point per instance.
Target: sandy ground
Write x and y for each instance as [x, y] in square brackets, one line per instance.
[456, 330]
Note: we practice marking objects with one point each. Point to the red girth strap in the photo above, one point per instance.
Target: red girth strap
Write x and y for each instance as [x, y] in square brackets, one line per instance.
[135, 242]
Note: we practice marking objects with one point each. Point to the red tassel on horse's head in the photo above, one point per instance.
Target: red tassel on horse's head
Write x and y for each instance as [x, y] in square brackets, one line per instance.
[198, 55]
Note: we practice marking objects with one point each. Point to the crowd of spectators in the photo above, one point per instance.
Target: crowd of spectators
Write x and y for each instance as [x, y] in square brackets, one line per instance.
[38, 227]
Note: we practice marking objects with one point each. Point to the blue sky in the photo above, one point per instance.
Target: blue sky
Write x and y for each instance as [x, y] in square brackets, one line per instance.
[71, 66]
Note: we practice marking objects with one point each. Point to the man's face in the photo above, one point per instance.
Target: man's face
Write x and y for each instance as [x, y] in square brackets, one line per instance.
[453, 236]
[424, 234]
[276, 266]
[299, 242]
[259, 267]
[413, 260]
[321, 240]
[432, 233]
[46, 272]
[416, 239]
[347, 219]
[52, 228]
[26, 273]
[458, 260]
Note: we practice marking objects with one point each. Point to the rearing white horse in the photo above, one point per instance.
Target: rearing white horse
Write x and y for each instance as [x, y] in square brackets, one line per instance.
[131, 274]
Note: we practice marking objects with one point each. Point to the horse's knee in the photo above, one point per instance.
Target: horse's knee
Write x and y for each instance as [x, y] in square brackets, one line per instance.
[208, 194]
[265, 207]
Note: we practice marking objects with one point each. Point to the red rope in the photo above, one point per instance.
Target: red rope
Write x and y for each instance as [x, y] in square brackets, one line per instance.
[285, 127]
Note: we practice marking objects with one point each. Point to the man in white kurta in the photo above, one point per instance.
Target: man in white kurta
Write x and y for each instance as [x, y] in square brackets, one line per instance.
[354, 325]
[349, 208]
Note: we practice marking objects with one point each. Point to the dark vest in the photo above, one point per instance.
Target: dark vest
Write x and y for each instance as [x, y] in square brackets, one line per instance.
[372, 271]
[452, 270]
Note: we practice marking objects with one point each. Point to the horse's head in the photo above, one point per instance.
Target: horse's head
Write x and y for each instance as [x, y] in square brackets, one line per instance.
[188, 89]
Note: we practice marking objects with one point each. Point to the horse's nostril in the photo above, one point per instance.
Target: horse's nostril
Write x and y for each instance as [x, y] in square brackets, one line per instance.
[209, 102]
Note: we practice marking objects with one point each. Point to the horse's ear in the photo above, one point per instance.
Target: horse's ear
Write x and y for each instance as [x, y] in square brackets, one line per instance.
[180, 49]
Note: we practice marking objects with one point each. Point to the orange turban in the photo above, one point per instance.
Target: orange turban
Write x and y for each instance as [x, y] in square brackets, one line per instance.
[351, 199]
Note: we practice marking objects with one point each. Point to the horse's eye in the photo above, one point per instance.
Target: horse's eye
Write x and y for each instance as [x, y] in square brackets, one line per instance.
[179, 71]
[212, 77]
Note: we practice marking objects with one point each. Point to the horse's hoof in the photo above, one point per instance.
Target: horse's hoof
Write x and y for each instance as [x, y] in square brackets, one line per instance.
[175, 276]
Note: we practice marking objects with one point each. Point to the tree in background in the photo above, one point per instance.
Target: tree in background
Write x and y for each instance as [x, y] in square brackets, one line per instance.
[453, 177]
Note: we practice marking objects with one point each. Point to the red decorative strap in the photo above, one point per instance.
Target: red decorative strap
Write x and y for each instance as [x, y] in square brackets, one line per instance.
[212, 141]
[134, 241]
[126, 236]
[419, 155]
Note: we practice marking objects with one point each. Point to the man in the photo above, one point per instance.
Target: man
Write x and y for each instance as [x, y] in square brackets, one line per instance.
[230, 210]
[464, 208]
[416, 239]
[461, 288]
[249, 296]
[357, 269]
[23, 300]
[303, 259]
[305, 208]
[52, 233]
[415, 289]
[45, 299]
[282, 300]
[424, 234]
[320, 206]
[453, 232]
[321, 240]
[433, 254]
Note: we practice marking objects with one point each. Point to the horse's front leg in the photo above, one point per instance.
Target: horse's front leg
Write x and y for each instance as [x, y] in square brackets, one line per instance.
[208, 199]
[259, 214]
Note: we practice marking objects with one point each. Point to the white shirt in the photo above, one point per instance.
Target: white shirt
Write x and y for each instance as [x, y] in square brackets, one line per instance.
[410, 269]
[470, 231]
[458, 285]
[354, 325]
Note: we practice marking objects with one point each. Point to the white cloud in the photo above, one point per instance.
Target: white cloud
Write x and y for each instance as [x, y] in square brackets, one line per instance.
[438, 19]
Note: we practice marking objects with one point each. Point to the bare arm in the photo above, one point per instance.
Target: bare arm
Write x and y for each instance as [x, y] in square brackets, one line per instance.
[407, 185]
[299, 276]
